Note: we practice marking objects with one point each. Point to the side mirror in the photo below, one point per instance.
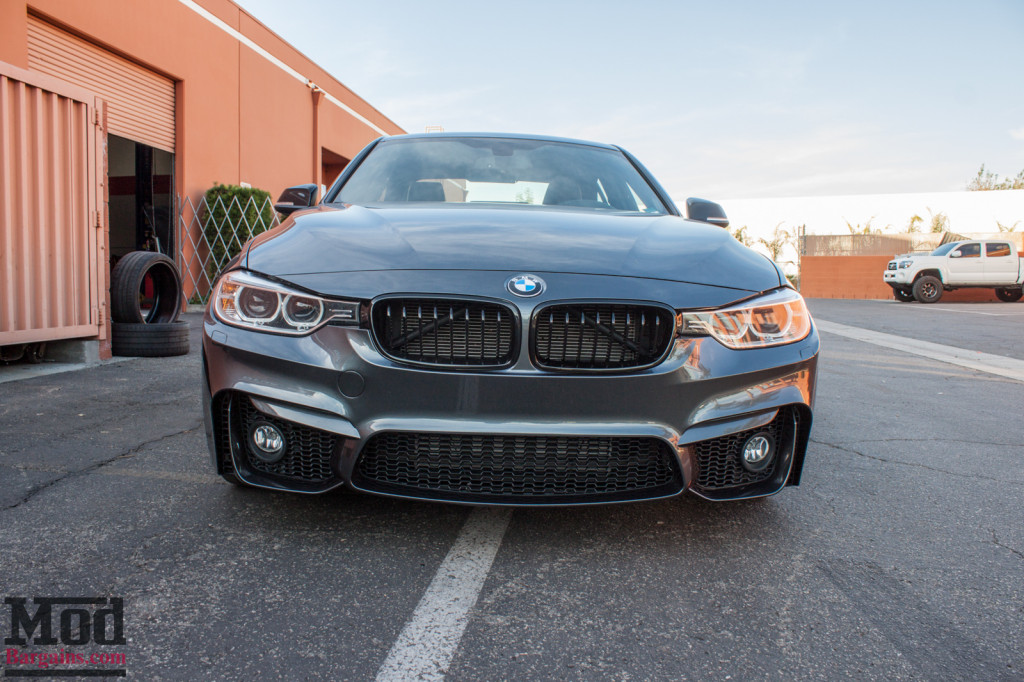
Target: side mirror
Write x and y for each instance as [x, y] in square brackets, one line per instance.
[956, 254]
[706, 212]
[296, 198]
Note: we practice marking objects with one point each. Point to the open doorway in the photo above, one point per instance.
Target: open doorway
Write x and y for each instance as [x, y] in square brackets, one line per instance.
[141, 182]
[331, 165]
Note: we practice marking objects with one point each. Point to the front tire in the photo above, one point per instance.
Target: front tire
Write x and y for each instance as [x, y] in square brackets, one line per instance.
[1009, 295]
[928, 289]
[903, 295]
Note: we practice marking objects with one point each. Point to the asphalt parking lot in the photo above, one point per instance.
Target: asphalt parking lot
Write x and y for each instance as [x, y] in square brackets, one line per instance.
[900, 556]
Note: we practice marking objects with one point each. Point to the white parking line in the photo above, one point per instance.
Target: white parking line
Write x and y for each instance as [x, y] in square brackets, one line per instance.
[1000, 365]
[427, 643]
[936, 309]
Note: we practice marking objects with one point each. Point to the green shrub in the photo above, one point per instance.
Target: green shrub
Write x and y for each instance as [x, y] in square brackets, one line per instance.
[231, 216]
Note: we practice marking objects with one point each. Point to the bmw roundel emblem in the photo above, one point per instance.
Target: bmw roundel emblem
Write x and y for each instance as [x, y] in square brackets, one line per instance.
[525, 285]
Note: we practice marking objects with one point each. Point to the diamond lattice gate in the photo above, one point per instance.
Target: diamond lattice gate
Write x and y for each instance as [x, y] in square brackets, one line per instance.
[214, 232]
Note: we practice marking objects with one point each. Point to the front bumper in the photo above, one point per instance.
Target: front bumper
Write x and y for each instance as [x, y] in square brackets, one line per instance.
[338, 394]
[897, 277]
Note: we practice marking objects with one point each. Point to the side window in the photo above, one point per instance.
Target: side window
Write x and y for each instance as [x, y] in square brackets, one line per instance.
[970, 251]
[997, 250]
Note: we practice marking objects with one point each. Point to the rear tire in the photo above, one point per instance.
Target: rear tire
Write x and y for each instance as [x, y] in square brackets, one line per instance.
[128, 302]
[903, 295]
[1009, 295]
[928, 289]
[157, 340]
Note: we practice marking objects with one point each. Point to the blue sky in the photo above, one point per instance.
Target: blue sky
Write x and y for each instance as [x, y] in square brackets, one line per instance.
[728, 99]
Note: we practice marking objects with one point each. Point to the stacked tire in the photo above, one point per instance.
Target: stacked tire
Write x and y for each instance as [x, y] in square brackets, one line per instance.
[145, 302]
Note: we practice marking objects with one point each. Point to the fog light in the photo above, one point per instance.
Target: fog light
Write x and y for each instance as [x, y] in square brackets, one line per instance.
[267, 441]
[757, 452]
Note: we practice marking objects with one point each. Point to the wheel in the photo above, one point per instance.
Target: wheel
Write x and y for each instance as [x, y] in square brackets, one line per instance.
[1009, 295]
[145, 287]
[928, 289]
[903, 294]
[34, 353]
[155, 340]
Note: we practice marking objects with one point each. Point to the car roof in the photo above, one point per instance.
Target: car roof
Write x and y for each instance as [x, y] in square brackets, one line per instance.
[509, 136]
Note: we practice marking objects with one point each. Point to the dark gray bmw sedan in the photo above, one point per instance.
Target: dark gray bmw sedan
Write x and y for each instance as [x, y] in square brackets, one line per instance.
[502, 319]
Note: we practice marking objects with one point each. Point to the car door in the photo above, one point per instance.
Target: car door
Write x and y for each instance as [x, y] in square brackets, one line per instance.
[965, 264]
[1000, 263]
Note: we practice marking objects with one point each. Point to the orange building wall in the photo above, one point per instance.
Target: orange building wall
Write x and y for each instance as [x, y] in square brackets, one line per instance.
[861, 277]
[13, 33]
[240, 118]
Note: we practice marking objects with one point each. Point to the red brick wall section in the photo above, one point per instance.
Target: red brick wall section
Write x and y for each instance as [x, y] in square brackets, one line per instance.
[861, 277]
[844, 277]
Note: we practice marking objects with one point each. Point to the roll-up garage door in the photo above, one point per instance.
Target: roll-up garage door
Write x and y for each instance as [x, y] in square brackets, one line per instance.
[140, 103]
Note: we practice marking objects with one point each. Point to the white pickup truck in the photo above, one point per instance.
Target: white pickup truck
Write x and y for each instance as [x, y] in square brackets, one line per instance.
[974, 263]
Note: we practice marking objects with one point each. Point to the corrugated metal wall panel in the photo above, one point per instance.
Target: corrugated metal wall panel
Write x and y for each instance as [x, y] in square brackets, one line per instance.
[140, 103]
[49, 248]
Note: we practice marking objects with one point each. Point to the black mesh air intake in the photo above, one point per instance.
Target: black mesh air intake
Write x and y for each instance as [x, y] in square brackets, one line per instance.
[446, 332]
[599, 336]
[718, 459]
[520, 469]
[308, 451]
[222, 433]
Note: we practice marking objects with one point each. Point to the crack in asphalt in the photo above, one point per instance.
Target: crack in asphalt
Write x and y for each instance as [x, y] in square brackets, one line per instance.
[997, 543]
[958, 474]
[97, 465]
[104, 418]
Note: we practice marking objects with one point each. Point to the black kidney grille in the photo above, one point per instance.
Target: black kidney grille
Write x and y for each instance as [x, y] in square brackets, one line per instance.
[517, 468]
[718, 459]
[446, 332]
[309, 451]
[601, 336]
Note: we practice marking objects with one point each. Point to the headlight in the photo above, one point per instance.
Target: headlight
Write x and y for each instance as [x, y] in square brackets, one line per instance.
[778, 318]
[248, 301]
[905, 264]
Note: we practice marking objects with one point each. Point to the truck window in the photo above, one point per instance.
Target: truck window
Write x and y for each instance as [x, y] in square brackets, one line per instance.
[944, 249]
[997, 250]
[970, 250]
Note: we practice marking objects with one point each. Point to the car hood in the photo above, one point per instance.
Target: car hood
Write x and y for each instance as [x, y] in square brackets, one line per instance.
[353, 238]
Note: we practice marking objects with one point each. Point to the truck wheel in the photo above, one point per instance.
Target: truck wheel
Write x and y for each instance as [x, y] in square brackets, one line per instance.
[1009, 295]
[928, 289]
[903, 295]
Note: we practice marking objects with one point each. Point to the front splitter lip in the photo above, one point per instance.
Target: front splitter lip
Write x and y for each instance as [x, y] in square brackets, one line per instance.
[348, 485]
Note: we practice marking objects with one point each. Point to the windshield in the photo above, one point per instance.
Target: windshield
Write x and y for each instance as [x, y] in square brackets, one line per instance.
[944, 249]
[488, 171]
